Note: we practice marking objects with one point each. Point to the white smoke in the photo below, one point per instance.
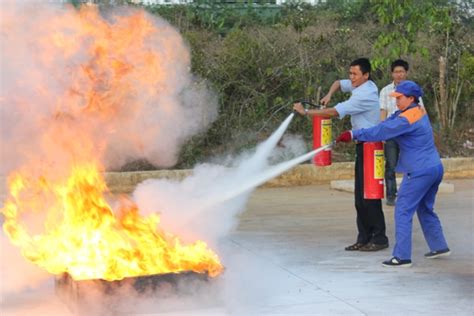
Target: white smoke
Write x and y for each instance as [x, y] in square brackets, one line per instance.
[205, 205]
[41, 92]
[119, 79]
[17, 274]
[114, 83]
[290, 146]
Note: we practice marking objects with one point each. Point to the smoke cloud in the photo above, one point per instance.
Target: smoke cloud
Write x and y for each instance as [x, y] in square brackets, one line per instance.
[112, 84]
[17, 274]
[116, 86]
[206, 204]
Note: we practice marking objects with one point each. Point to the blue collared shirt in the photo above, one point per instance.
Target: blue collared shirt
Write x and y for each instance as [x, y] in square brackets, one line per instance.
[363, 105]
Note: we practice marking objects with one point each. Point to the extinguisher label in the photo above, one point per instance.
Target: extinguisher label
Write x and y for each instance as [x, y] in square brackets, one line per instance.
[326, 132]
[379, 164]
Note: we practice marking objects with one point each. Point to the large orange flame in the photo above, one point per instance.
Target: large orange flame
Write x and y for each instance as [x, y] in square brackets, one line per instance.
[85, 238]
[108, 73]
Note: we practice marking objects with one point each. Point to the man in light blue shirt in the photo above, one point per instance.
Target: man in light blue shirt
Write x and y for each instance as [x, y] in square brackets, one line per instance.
[362, 106]
[364, 109]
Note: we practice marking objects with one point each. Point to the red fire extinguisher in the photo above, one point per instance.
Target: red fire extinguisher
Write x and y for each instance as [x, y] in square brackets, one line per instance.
[374, 170]
[322, 135]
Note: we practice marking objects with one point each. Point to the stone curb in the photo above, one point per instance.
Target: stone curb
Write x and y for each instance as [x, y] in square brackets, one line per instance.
[305, 174]
[348, 186]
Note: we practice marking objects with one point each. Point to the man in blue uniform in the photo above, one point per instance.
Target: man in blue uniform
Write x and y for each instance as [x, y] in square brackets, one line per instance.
[421, 165]
[388, 106]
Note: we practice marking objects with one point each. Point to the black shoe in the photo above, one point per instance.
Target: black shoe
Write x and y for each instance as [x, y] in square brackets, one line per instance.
[390, 201]
[438, 253]
[373, 247]
[354, 247]
[397, 262]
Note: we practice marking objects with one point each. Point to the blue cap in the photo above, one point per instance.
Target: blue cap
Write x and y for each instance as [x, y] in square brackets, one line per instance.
[407, 88]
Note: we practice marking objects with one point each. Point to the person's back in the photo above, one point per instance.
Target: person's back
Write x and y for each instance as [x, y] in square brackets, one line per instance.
[399, 71]
[417, 147]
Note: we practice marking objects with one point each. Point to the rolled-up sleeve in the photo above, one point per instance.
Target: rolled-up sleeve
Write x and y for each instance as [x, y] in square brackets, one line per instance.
[357, 103]
[346, 85]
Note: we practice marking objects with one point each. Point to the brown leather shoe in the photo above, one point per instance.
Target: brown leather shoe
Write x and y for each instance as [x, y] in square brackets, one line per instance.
[373, 247]
[355, 246]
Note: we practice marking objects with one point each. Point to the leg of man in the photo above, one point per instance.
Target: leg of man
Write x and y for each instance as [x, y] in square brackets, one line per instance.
[391, 151]
[376, 221]
[429, 221]
[363, 236]
[413, 188]
[369, 212]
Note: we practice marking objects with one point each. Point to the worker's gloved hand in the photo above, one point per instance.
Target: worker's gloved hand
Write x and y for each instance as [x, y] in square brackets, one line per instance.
[345, 137]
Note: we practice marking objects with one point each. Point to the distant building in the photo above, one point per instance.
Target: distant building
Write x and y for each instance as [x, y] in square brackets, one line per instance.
[148, 2]
[174, 2]
[277, 2]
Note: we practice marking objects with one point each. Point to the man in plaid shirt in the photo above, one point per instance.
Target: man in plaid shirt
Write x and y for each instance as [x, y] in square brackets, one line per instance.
[388, 106]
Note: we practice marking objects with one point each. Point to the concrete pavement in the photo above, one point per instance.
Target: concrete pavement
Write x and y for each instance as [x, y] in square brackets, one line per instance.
[286, 257]
[305, 230]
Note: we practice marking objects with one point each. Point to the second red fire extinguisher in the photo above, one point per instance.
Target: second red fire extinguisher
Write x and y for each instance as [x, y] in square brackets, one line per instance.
[374, 170]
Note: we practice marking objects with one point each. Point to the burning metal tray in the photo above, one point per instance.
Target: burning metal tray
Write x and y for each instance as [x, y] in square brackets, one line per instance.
[101, 297]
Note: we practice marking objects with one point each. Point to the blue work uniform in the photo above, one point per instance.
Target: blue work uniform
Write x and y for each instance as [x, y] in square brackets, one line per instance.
[422, 174]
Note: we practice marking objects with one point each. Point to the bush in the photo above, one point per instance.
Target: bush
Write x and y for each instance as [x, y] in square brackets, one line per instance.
[259, 63]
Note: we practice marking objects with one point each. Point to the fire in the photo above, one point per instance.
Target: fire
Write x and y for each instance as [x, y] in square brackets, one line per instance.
[84, 237]
[95, 91]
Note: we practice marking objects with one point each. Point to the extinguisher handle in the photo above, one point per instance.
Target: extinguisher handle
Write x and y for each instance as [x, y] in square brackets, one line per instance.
[307, 103]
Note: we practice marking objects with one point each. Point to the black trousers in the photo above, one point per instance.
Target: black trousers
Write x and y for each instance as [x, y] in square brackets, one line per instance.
[370, 218]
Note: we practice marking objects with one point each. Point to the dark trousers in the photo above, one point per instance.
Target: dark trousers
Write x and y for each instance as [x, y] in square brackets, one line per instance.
[392, 151]
[370, 218]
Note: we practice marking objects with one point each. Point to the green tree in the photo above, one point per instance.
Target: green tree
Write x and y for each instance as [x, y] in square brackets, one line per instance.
[401, 21]
[401, 24]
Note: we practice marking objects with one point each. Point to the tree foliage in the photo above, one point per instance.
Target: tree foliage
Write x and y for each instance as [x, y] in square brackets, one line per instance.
[400, 23]
[259, 59]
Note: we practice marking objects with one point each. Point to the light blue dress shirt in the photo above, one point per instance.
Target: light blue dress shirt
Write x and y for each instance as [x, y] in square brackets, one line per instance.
[363, 105]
